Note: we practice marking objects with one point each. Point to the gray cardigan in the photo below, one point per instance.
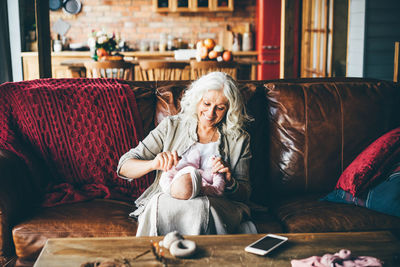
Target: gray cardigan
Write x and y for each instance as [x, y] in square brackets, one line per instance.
[176, 134]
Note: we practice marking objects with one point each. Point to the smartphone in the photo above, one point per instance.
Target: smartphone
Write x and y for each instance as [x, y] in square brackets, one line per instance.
[266, 244]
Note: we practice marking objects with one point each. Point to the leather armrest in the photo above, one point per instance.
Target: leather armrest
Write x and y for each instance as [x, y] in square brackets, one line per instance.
[16, 198]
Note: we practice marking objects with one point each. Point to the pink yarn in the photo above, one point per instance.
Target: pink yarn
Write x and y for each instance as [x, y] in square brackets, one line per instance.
[342, 258]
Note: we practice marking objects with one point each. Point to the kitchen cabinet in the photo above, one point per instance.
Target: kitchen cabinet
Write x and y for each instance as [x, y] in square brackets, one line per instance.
[192, 5]
[30, 67]
[162, 5]
[182, 5]
[223, 5]
[30, 64]
[202, 5]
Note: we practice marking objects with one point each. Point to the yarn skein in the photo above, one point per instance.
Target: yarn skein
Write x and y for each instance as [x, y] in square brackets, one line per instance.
[177, 245]
[182, 248]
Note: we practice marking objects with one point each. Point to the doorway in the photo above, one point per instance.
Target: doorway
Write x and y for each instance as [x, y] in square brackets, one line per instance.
[324, 38]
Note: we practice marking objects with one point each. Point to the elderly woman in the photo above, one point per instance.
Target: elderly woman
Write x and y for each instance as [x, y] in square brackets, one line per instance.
[211, 120]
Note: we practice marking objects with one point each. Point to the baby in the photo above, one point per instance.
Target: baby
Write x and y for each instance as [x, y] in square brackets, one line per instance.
[203, 179]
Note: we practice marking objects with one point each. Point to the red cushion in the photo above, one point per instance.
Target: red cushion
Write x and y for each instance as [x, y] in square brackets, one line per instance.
[369, 166]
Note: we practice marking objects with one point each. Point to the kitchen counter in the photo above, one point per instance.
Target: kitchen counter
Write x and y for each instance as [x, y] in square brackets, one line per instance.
[69, 64]
[155, 54]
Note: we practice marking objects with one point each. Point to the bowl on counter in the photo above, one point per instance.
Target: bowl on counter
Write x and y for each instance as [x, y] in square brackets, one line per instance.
[78, 47]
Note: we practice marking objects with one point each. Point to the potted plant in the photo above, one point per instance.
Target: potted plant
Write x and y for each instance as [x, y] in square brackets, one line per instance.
[101, 44]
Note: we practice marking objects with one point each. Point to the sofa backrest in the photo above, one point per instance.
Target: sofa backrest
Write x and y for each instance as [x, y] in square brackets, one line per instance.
[305, 132]
[318, 127]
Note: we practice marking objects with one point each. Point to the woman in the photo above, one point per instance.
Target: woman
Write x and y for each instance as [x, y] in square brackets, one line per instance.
[212, 117]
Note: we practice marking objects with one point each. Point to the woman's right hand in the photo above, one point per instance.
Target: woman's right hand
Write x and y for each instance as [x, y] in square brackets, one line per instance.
[165, 160]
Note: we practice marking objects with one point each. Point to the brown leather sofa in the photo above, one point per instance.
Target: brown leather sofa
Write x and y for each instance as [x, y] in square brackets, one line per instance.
[304, 135]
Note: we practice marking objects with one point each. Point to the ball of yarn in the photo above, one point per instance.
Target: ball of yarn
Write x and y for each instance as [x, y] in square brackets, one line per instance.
[182, 248]
[170, 238]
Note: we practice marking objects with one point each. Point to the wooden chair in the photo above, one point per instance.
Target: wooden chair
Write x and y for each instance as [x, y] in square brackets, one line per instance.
[118, 69]
[199, 68]
[158, 70]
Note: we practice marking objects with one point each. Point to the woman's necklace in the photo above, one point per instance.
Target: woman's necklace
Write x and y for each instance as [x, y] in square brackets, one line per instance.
[213, 135]
[203, 138]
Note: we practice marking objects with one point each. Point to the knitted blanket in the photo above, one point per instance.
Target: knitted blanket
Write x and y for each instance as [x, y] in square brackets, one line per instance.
[71, 134]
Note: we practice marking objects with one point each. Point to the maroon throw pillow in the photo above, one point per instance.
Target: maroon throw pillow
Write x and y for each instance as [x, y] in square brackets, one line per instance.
[371, 164]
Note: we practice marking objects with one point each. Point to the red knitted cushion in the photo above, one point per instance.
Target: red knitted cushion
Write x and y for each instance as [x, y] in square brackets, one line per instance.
[79, 128]
[377, 159]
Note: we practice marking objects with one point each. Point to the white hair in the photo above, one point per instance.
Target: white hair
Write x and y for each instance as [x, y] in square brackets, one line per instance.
[236, 115]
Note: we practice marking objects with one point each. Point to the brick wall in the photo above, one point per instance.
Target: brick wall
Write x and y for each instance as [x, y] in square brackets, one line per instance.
[135, 20]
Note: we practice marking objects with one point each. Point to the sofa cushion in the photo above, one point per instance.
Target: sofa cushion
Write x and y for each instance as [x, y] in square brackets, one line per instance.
[307, 214]
[372, 164]
[385, 197]
[96, 218]
[266, 222]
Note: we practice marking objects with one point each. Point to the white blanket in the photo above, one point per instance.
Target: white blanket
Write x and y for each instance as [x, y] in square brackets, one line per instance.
[200, 215]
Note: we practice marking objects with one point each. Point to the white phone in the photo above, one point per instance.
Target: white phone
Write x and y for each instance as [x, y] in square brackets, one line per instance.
[266, 244]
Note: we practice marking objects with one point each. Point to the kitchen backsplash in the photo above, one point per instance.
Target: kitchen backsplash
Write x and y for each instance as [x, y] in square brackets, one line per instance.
[135, 20]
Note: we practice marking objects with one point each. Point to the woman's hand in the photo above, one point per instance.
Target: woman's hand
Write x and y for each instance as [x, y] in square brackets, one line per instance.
[219, 166]
[165, 160]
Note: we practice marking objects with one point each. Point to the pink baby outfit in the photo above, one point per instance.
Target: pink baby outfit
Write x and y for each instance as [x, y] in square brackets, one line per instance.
[343, 258]
[198, 162]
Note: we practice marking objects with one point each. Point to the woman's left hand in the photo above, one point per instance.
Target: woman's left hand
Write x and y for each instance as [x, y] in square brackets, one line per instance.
[219, 166]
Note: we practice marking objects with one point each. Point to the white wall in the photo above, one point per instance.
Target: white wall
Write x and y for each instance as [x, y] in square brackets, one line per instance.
[15, 39]
[355, 42]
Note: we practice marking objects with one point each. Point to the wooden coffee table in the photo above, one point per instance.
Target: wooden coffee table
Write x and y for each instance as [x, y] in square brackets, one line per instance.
[221, 250]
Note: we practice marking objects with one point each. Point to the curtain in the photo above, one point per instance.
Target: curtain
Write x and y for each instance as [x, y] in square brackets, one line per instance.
[5, 54]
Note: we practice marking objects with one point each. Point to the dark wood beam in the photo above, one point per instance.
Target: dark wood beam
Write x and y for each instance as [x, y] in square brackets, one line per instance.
[289, 38]
[43, 36]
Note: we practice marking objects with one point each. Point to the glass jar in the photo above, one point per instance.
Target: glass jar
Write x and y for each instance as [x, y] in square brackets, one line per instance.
[247, 42]
[170, 43]
[57, 46]
[236, 42]
[143, 45]
[162, 46]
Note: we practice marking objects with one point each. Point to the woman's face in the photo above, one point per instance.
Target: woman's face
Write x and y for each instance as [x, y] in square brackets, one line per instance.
[212, 108]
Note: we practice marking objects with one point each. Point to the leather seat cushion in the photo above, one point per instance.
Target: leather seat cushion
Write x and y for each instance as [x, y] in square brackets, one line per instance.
[308, 214]
[96, 218]
[266, 222]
